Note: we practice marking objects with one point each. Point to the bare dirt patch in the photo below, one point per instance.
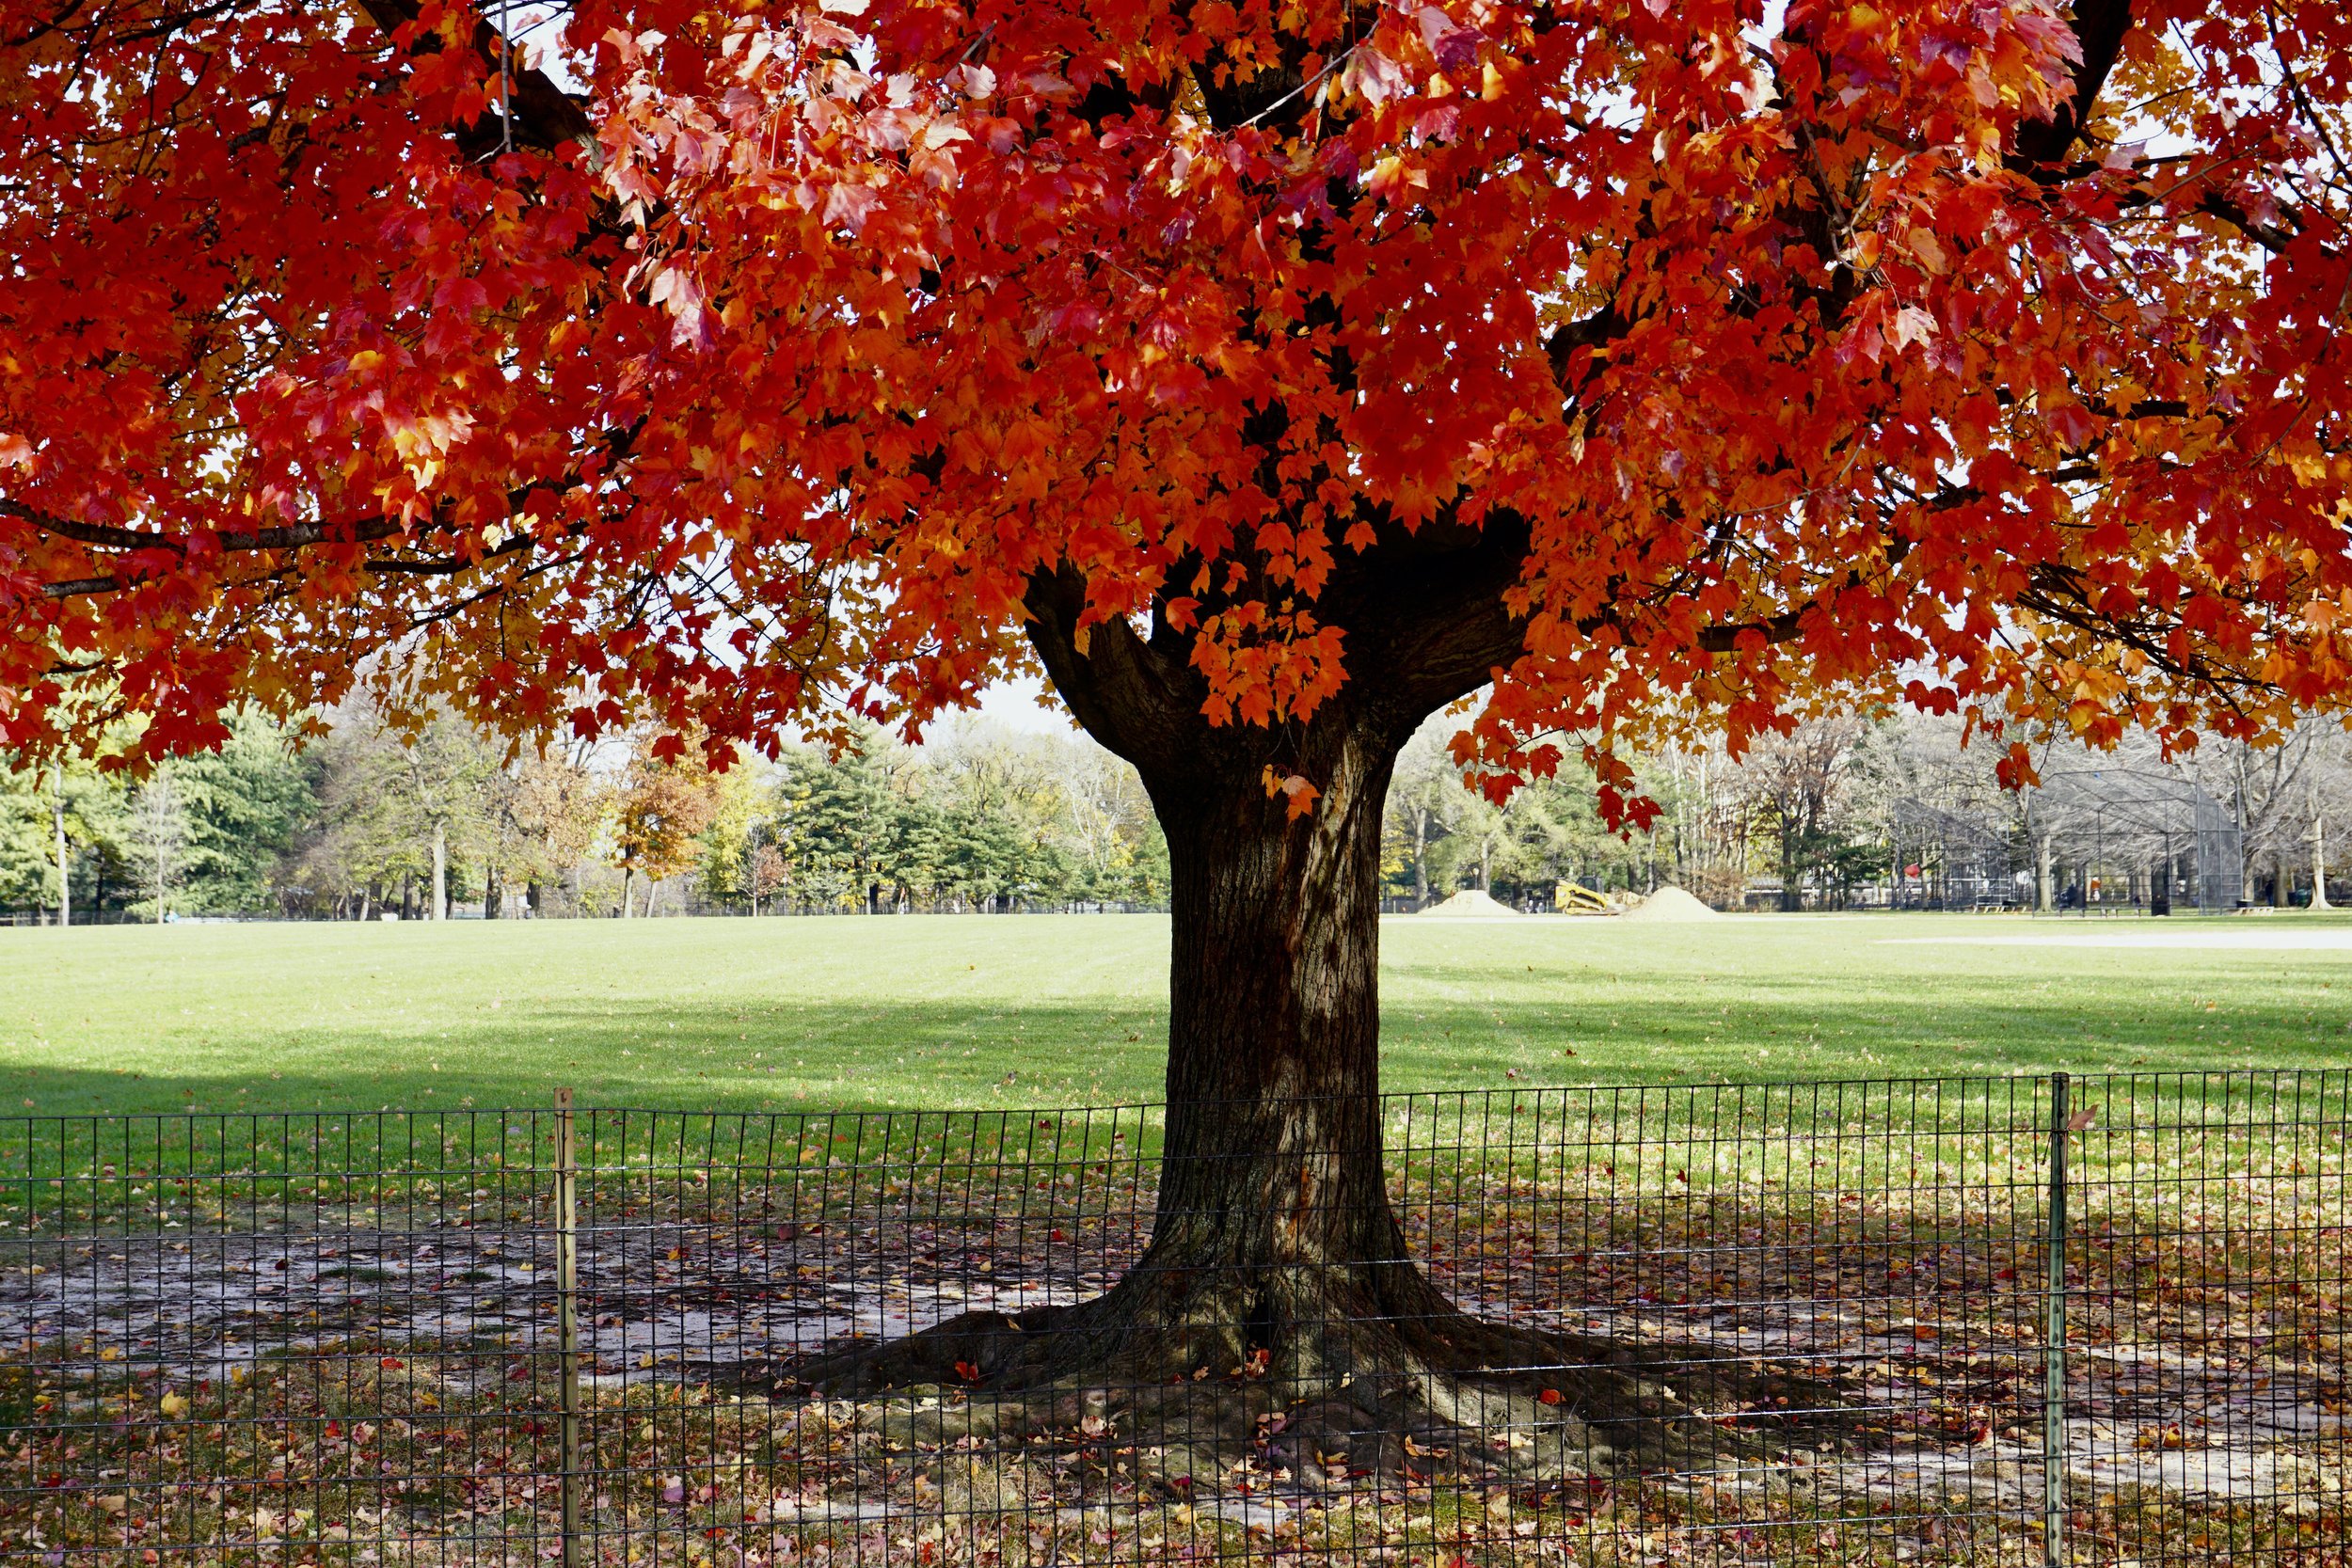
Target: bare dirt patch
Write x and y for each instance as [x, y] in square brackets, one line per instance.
[2202, 1390]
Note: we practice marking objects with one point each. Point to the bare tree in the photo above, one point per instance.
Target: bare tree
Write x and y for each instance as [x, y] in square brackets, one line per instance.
[1797, 781]
[65, 871]
[159, 831]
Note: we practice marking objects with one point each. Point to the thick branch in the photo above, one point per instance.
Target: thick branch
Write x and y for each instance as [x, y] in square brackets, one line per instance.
[296, 536]
[540, 114]
[105, 536]
[1133, 697]
[1602, 328]
[1432, 624]
[2100, 29]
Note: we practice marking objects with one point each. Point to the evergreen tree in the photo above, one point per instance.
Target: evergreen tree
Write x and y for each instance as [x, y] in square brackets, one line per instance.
[245, 805]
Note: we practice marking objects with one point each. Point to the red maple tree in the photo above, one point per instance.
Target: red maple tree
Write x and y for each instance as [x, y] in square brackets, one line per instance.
[1267, 376]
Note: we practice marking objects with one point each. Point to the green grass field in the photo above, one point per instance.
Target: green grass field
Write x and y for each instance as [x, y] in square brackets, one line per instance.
[1037, 1010]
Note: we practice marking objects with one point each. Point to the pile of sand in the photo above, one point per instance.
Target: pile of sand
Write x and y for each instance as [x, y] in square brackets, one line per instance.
[1671, 903]
[1474, 902]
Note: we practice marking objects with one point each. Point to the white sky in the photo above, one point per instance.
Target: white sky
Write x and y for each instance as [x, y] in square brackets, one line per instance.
[1014, 704]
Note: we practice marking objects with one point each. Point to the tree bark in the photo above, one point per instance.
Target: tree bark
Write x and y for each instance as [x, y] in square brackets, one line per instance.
[2319, 850]
[441, 871]
[1273, 1211]
[1421, 857]
[65, 871]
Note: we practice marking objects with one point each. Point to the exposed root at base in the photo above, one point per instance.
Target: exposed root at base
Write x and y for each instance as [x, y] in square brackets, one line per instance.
[1455, 1401]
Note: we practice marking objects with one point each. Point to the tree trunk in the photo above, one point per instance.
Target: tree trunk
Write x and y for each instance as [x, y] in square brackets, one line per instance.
[493, 893]
[1273, 1238]
[628, 889]
[1275, 1250]
[440, 872]
[65, 868]
[1421, 857]
[2319, 850]
[1273, 1215]
[2042, 873]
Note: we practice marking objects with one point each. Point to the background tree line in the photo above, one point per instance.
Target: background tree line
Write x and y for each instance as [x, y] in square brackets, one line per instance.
[366, 821]
[1856, 811]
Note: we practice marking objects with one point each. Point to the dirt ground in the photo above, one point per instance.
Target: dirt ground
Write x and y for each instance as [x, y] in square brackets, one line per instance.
[394, 1381]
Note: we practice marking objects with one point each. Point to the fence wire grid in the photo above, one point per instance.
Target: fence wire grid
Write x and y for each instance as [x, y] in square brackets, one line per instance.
[2031, 1321]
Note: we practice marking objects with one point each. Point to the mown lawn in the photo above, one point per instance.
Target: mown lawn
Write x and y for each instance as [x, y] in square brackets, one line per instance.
[1039, 1011]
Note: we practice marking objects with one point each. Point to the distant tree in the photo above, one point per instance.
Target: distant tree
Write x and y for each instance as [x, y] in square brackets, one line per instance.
[557, 808]
[398, 805]
[664, 804]
[1118, 852]
[834, 813]
[246, 805]
[159, 832]
[768, 870]
[1425, 802]
[1797, 784]
[916, 856]
[28, 843]
[723, 858]
[2284, 794]
[62, 828]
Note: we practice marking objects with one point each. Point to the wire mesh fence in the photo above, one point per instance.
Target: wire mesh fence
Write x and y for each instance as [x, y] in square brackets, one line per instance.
[1996, 1320]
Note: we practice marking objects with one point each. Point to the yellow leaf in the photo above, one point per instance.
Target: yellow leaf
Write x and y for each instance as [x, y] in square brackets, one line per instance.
[1925, 245]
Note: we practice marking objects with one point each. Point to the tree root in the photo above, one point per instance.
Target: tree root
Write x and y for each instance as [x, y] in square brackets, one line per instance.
[1354, 1407]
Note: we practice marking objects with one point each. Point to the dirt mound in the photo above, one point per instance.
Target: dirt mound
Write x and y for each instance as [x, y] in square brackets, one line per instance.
[1671, 903]
[1474, 902]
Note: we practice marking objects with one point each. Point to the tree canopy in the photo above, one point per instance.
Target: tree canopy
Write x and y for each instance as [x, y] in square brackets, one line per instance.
[731, 364]
[1267, 377]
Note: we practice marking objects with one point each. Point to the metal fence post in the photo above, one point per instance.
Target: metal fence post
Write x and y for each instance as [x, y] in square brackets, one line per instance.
[2054, 1341]
[567, 1320]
